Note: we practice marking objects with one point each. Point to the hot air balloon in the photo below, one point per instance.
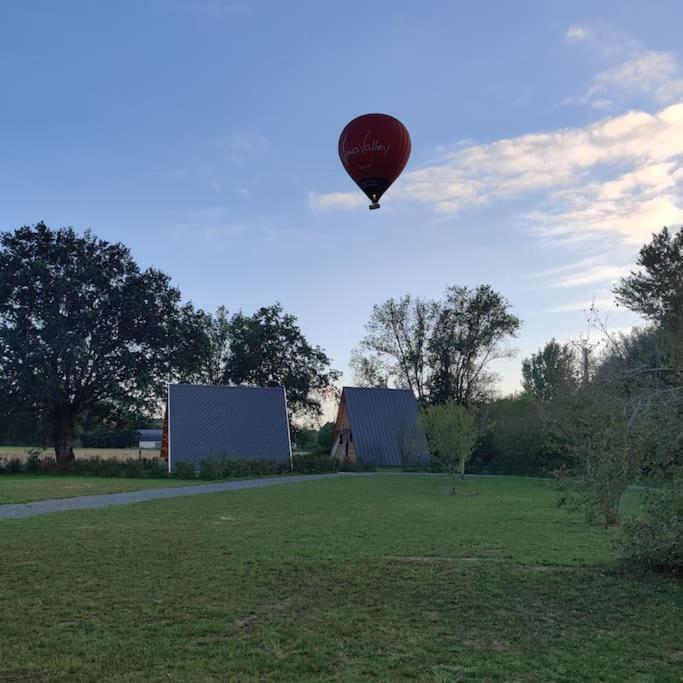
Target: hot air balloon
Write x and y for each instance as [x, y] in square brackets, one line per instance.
[374, 149]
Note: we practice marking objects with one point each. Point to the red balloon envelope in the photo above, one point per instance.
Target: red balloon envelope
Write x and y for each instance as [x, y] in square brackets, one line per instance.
[374, 149]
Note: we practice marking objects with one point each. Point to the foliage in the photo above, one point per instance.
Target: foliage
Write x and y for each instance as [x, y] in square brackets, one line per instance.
[450, 430]
[656, 290]
[397, 338]
[184, 470]
[119, 438]
[656, 541]
[37, 463]
[326, 436]
[314, 463]
[470, 332]
[439, 349]
[519, 439]
[227, 468]
[81, 327]
[268, 349]
[550, 373]
[306, 439]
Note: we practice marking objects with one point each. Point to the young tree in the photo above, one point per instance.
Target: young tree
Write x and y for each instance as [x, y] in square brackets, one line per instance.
[268, 349]
[81, 327]
[551, 372]
[451, 436]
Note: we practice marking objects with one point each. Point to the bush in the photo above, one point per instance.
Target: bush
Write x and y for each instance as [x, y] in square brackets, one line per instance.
[326, 436]
[656, 542]
[184, 470]
[314, 463]
[33, 461]
[227, 468]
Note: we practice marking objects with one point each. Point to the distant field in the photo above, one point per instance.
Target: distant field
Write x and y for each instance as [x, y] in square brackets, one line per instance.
[119, 453]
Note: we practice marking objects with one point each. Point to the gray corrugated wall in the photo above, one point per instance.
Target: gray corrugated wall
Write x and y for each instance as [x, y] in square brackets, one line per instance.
[241, 423]
[379, 419]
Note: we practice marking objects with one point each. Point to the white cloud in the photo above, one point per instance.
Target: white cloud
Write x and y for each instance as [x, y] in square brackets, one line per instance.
[335, 200]
[598, 303]
[589, 276]
[646, 73]
[215, 186]
[621, 175]
[244, 191]
[576, 33]
[248, 144]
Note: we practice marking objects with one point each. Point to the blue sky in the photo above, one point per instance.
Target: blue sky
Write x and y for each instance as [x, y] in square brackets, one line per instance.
[547, 146]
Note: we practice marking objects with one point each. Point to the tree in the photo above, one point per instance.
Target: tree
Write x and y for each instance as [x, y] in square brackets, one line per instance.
[656, 291]
[451, 436]
[551, 372]
[369, 370]
[82, 328]
[439, 350]
[268, 349]
[597, 437]
[471, 327]
[326, 436]
[204, 347]
[397, 337]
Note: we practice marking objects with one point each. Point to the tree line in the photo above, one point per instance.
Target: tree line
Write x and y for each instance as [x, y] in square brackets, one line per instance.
[87, 336]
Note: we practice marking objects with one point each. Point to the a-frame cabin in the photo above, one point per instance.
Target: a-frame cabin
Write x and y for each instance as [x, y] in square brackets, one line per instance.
[379, 427]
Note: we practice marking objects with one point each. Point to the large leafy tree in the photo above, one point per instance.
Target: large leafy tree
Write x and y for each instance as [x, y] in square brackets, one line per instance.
[82, 328]
[550, 373]
[656, 290]
[268, 349]
[471, 330]
[439, 349]
[396, 344]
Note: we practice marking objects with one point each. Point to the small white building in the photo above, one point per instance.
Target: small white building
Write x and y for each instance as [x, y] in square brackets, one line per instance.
[149, 438]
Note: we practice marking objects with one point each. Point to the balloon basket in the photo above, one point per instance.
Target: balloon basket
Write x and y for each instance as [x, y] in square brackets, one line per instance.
[374, 205]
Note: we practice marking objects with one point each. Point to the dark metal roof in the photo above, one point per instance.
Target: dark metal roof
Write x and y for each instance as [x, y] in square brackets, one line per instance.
[384, 426]
[150, 434]
[241, 423]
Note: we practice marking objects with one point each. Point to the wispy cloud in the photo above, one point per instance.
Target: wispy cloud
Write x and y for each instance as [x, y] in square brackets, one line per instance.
[576, 33]
[580, 171]
[590, 276]
[599, 303]
[647, 73]
[244, 191]
[248, 144]
[335, 200]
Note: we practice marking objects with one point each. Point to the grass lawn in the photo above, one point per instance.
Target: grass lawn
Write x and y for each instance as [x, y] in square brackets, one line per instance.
[22, 488]
[384, 578]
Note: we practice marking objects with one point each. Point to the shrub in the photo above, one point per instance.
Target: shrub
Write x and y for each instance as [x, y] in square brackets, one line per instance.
[656, 542]
[314, 463]
[33, 460]
[14, 466]
[184, 470]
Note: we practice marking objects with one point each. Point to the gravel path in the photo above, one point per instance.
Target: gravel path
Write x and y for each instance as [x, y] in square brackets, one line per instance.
[46, 507]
